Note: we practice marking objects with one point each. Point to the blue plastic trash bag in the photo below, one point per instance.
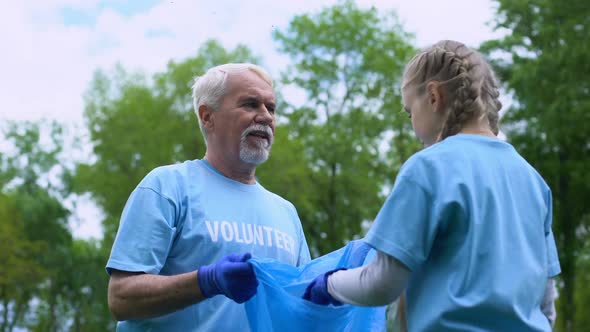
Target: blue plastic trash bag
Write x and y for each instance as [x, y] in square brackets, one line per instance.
[278, 306]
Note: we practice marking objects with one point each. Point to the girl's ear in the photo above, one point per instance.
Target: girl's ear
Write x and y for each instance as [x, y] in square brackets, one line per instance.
[435, 96]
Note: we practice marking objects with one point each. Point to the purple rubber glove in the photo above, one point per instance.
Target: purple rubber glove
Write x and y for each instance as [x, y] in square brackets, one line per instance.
[317, 290]
[231, 276]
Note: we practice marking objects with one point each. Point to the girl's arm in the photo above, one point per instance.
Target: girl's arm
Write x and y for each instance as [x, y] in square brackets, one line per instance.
[548, 304]
[376, 284]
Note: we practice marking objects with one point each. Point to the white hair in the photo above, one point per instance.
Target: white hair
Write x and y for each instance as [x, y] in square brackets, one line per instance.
[209, 88]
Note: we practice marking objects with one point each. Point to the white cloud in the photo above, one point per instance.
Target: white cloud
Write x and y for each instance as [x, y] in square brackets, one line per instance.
[432, 21]
[50, 64]
[46, 66]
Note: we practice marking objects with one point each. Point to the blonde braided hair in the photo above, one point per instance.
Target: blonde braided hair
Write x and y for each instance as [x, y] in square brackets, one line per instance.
[469, 80]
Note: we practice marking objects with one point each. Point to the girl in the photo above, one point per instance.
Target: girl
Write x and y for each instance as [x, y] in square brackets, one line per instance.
[467, 226]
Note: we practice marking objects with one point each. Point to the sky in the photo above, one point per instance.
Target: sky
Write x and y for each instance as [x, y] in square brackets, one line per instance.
[51, 48]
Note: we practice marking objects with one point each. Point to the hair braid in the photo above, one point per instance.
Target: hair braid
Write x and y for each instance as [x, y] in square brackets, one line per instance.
[491, 95]
[472, 89]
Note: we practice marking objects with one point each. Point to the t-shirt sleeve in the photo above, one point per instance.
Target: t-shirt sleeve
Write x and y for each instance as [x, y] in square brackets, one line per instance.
[304, 256]
[404, 227]
[553, 267]
[145, 234]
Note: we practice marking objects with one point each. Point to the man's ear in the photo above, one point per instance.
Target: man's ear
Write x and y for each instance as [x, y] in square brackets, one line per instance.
[206, 116]
[435, 96]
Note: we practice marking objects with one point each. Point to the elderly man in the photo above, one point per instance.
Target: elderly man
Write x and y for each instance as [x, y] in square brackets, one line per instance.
[188, 230]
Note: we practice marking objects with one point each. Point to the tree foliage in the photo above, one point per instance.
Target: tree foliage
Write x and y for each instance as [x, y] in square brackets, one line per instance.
[336, 153]
[543, 62]
[348, 62]
[137, 124]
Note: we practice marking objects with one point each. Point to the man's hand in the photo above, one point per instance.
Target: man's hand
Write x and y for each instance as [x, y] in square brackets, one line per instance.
[317, 290]
[231, 276]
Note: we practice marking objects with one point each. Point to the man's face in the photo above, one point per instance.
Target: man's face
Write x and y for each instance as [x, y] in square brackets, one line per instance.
[243, 126]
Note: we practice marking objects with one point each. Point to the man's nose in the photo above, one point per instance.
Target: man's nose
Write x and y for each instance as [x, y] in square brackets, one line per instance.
[264, 116]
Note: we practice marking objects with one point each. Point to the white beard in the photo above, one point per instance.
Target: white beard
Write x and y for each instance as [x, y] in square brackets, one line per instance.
[252, 155]
[258, 152]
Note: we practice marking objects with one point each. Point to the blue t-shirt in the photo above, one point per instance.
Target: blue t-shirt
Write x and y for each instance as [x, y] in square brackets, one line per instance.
[183, 216]
[472, 220]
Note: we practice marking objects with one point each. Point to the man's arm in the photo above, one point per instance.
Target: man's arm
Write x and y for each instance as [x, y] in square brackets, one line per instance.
[141, 295]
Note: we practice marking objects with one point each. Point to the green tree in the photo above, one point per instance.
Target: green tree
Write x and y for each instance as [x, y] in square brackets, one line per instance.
[20, 273]
[38, 223]
[543, 61]
[85, 294]
[45, 220]
[348, 61]
[137, 124]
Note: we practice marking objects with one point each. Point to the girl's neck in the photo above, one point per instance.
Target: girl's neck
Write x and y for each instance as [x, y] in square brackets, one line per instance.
[480, 127]
[482, 132]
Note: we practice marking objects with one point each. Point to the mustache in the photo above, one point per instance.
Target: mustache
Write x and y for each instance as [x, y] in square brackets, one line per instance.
[260, 128]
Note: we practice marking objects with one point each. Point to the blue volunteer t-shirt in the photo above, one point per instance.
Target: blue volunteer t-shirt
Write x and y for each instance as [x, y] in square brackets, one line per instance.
[472, 220]
[183, 216]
